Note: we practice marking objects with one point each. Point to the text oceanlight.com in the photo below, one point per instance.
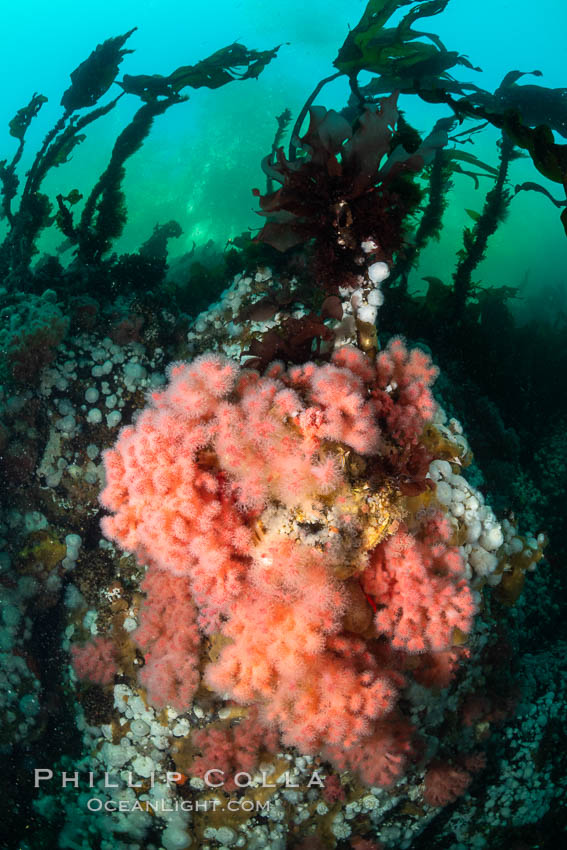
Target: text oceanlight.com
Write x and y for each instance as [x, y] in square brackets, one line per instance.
[98, 804]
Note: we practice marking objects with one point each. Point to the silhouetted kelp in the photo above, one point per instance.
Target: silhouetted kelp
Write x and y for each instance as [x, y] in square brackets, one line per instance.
[337, 197]
[407, 63]
[104, 213]
[376, 197]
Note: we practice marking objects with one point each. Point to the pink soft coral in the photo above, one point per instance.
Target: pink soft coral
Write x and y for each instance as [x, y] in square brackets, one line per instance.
[189, 485]
[229, 750]
[421, 589]
[445, 783]
[169, 637]
[379, 759]
[316, 685]
[402, 389]
[95, 661]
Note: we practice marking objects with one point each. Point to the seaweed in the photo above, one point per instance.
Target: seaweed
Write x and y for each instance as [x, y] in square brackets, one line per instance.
[234, 62]
[353, 183]
[295, 340]
[535, 104]
[439, 183]
[398, 52]
[156, 245]
[93, 77]
[475, 239]
[548, 156]
[283, 121]
[104, 213]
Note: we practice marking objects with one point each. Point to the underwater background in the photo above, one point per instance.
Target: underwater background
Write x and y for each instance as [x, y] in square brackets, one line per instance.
[208, 151]
[377, 230]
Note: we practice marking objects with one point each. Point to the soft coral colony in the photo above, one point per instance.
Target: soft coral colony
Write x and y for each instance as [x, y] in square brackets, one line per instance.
[314, 561]
[267, 497]
[305, 524]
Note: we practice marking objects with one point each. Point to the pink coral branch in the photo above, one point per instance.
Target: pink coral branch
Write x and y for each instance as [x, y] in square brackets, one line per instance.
[95, 661]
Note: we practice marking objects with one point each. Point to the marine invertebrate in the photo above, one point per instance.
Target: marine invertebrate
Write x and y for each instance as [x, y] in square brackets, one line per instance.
[264, 501]
[231, 749]
[95, 661]
[444, 783]
[169, 638]
[419, 580]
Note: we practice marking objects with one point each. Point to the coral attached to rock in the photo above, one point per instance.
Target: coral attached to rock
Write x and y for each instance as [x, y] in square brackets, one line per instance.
[275, 504]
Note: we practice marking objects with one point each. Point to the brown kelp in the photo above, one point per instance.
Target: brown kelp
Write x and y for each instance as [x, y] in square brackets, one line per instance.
[104, 212]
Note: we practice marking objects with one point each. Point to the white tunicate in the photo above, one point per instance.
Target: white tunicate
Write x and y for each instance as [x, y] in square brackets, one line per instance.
[440, 469]
[368, 246]
[66, 424]
[94, 416]
[356, 298]
[473, 530]
[116, 755]
[91, 474]
[143, 766]
[492, 538]
[444, 493]
[494, 579]
[73, 543]
[378, 272]
[375, 297]
[11, 615]
[29, 704]
[482, 562]
[181, 728]
[366, 313]
[92, 451]
[226, 835]
[73, 598]
[113, 418]
[111, 401]
[134, 371]
[91, 395]
[516, 545]
[175, 837]
[139, 728]
[65, 407]
[34, 521]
